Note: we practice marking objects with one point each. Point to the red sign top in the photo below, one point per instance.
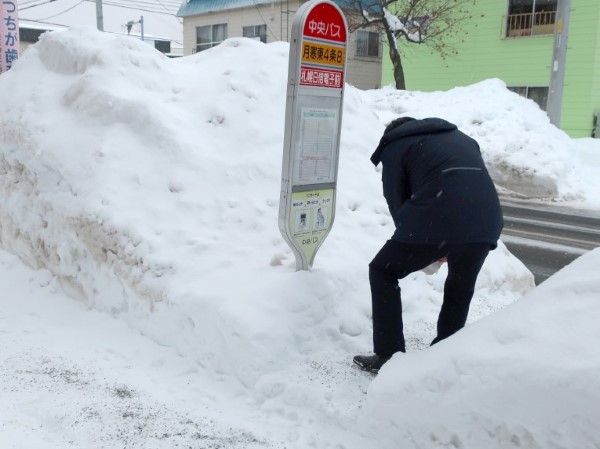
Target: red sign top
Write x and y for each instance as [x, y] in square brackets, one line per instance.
[325, 21]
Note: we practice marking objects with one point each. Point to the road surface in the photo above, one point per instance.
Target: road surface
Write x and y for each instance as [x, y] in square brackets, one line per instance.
[546, 238]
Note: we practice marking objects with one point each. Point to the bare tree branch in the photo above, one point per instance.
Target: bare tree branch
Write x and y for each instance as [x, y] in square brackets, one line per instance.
[435, 23]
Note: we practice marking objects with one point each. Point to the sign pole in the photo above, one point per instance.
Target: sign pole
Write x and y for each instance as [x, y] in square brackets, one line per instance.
[313, 116]
[9, 34]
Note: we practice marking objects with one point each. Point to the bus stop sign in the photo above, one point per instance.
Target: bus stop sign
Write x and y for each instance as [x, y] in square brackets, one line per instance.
[313, 115]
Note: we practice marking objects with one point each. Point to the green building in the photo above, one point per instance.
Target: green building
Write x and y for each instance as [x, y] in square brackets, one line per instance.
[513, 40]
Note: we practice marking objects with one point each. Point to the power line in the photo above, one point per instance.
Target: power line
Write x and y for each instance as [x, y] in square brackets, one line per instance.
[62, 12]
[39, 4]
[109, 32]
[263, 19]
[143, 5]
[147, 3]
[29, 2]
[139, 7]
[161, 4]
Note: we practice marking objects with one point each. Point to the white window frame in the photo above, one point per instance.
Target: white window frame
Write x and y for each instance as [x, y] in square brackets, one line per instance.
[533, 23]
[524, 91]
[363, 49]
[212, 39]
[254, 32]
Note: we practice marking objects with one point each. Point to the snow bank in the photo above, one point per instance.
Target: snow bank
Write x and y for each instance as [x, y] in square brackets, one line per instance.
[531, 367]
[149, 187]
[523, 151]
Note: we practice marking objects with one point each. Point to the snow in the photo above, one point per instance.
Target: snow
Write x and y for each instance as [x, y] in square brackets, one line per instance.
[523, 377]
[397, 25]
[149, 300]
[160, 19]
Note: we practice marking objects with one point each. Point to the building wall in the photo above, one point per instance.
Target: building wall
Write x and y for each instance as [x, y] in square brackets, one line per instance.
[523, 61]
[364, 73]
[484, 54]
[596, 81]
[272, 15]
[581, 69]
[24, 46]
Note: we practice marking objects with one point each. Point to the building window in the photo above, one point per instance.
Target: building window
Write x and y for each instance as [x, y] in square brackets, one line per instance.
[530, 17]
[367, 44]
[256, 32]
[537, 94]
[210, 35]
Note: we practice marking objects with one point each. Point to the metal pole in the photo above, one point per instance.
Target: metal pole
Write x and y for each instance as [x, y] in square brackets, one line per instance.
[142, 25]
[559, 58]
[99, 16]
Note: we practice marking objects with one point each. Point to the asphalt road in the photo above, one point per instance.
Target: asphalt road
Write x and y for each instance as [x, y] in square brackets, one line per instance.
[546, 238]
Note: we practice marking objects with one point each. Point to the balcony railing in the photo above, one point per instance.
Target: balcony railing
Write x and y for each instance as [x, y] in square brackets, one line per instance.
[534, 24]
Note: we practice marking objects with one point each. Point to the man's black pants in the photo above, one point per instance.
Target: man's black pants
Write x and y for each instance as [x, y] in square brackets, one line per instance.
[397, 260]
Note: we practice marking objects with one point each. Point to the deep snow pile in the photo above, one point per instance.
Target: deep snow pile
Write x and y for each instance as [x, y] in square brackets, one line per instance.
[149, 188]
[524, 377]
[524, 152]
[145, 183]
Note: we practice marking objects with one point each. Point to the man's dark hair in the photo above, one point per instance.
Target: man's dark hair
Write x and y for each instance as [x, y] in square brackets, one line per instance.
[397, 122]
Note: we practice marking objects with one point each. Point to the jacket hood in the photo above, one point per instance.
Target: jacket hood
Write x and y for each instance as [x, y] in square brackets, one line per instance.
[411, 128]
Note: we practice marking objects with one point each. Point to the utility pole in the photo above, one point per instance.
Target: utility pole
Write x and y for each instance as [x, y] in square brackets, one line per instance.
[559, 58]
[99, 16]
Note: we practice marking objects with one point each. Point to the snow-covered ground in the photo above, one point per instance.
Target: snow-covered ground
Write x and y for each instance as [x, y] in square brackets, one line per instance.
[160, 306]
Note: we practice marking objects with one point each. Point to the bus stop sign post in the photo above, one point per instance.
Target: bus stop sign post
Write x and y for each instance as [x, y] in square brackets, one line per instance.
[313, 118]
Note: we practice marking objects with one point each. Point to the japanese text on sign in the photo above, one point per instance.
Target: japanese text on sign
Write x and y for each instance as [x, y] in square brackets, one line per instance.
[323, 54]
[9, 34]
[326, 23]
[315, 94]
[311, 215]
[326, 30]
[317, 146]
[318, 77]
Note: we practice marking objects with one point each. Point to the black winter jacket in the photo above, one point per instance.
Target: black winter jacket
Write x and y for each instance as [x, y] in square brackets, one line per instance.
[436, 185]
